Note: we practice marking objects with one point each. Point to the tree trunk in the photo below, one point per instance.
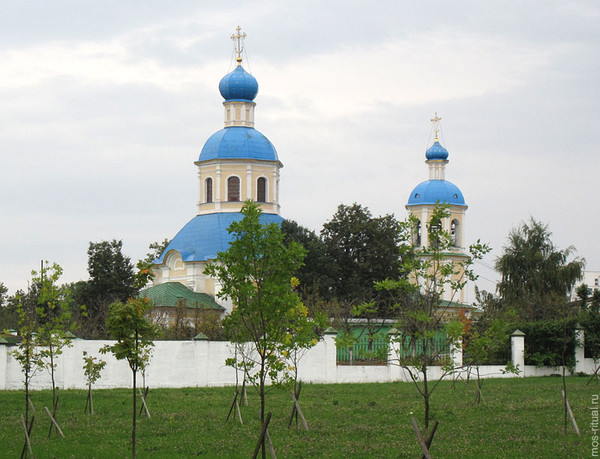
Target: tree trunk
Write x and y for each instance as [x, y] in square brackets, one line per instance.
[52, 375]
[262, 404]
[134, 368]
[564, 382]
[134, 416]
[27, 398]
[426, 399]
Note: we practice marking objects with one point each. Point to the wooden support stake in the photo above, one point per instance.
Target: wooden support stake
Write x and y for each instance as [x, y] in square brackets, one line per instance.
[429, 438]
[424, 447]
[298, 410]
[294, 412]
[54, 408]
[244, 393]
[270, 445]
[31, 404]
[239, 412]
[27, 444]
[54, 422]
[262, 435]
[571, 414]
[144, 406]
[594, 375]
[233, 405]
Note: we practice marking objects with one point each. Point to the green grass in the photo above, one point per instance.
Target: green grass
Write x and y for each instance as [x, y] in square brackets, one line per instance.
[518, 418]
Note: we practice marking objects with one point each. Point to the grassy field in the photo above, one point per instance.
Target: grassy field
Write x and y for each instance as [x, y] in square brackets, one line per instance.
[518, 418]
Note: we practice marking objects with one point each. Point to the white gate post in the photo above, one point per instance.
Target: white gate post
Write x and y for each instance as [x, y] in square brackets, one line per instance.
[330, 355]
[579, 349]
[517, 346]
[3, 366]
[395, 373]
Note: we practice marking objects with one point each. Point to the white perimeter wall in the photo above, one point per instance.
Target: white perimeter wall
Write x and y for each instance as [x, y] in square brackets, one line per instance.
[202, 364]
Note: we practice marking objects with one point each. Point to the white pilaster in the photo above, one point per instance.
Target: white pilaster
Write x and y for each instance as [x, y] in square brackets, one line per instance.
[249, 181]
[517, 347]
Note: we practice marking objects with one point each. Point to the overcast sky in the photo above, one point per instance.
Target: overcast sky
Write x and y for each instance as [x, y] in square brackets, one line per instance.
[105, 106]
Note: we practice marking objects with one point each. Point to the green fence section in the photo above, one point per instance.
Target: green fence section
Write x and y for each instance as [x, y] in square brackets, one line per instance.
[375, 350]
[414, 348]
[365, 351]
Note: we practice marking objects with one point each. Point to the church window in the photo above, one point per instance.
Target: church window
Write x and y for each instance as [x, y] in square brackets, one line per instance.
[233, 189]
[261, 189]
[417, 234]
[454, 233]
[208, 189]
[435, 229]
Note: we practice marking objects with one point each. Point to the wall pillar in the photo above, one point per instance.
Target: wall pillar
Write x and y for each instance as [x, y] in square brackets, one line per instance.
[395, 371]
[517, 347]
[457, 355]
[330, 355]
[579, 349]
[3, 365]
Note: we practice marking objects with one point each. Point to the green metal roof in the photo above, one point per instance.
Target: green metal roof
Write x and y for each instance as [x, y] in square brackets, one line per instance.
[9, 339]
[167, 295]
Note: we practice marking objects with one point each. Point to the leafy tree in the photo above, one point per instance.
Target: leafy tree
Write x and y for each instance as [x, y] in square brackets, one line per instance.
[426, 332]
[27, 353]
[111, 280]
[92, 369]
[589, 299]
[129, 325]
[54, 318]
[316, 275]
[365, 249]
[144, 272]
[256, 274]
[589, 320]
[536, 276]
[482, 347]
[8, 310]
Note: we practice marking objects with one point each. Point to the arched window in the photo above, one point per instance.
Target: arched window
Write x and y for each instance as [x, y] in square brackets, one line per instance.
[454, 233]
[233, 189]
[261, 189]
[435, 233]
[417, 234]
[208, 189]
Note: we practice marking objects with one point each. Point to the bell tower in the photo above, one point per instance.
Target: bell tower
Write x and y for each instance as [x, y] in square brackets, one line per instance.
[430, 193]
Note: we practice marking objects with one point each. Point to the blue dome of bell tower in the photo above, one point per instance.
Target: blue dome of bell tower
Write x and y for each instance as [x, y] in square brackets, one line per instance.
[437, 189]
[238, 85]
[436, 151]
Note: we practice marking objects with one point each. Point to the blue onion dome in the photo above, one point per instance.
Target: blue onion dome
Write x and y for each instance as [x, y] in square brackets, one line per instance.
[436, 191]
[238, 142]
[436, 151]
[238, 85]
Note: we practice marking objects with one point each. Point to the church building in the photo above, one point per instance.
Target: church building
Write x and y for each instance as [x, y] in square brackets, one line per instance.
[236, 163]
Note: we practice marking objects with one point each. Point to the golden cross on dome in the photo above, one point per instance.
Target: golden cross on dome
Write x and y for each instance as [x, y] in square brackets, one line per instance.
[435, 121]
[238, 43]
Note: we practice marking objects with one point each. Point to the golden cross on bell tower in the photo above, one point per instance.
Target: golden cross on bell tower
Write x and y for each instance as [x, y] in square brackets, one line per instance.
[435, 121]
[238, 43]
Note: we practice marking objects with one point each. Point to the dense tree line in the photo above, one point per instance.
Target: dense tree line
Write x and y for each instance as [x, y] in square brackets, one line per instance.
[352, 252]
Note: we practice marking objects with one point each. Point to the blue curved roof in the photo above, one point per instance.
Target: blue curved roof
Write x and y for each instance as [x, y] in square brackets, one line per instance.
[238, 85]
[436, 151]
[206, 235]
[436, 191]
[238, 142]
